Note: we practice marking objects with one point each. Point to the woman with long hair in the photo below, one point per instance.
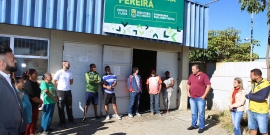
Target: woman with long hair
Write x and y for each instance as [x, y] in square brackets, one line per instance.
[237, 101]
[32, 89]
[49, 98]
[26, 104]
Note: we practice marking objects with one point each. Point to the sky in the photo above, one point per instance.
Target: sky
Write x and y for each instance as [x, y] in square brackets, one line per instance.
[227, 13]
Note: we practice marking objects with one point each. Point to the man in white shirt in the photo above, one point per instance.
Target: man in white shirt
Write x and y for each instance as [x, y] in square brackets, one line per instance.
[11, 114]
[62, 80]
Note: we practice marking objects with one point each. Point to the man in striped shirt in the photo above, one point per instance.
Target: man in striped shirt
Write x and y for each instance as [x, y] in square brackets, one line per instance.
[109, 81]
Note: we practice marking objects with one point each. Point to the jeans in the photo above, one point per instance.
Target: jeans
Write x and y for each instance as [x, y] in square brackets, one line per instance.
[134, 102]
[47, 116]
[236, 119]
[154, 99]
[65, 99]
[197, 106]
[257, 120]
[167, 99]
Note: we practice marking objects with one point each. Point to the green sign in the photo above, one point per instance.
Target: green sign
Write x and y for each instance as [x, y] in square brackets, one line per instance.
[155, 19]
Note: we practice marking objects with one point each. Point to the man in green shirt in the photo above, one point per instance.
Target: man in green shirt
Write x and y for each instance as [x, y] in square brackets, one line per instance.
[93, 81]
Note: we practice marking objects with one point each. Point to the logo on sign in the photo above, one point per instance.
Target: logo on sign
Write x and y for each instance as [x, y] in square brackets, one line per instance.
[133, 13]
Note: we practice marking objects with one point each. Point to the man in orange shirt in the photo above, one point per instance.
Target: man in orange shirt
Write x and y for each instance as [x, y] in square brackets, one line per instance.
[154, 87]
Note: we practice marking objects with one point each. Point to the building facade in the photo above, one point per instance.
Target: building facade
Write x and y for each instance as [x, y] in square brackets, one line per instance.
[43, 33]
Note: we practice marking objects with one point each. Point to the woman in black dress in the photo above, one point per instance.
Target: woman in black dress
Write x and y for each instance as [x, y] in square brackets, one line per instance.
[32, 89]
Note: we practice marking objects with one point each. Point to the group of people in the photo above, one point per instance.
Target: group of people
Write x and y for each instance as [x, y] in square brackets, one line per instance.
[134, 82]
[29, 96]
[33, 96]
[20, 99]
[198, 87]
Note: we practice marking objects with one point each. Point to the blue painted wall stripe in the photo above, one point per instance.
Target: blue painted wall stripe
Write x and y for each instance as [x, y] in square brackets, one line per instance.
[201, 30]
[15, 12]
[197, 26]
[206, 28]
[2, 10]
[192, 29]
[187, 27]
[8, 11]
[38, 13]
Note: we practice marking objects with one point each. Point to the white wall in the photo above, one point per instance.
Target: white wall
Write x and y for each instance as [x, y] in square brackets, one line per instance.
[223, 77]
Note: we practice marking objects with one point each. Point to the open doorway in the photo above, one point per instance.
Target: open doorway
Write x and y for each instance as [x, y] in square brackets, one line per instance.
[145, 60]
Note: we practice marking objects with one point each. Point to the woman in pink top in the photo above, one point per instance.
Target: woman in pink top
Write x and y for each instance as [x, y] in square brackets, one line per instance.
[154, 87]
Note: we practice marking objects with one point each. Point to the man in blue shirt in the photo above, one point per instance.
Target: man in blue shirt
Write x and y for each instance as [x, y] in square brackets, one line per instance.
[109, 81]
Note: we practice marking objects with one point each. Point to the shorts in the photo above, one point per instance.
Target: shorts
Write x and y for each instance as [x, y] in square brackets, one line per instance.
[257, 120]
[91, 97]
[109, 98]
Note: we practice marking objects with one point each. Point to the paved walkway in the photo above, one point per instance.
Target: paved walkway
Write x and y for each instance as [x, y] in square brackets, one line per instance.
[175, 123]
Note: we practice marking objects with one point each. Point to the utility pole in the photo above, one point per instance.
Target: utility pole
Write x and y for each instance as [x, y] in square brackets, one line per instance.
[267, 55]
[267, 51]
[251, 38]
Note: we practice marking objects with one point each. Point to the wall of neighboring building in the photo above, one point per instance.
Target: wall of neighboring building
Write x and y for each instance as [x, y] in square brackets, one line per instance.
[222, 76]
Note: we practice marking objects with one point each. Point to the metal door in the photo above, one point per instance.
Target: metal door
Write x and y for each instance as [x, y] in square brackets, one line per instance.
[120, 61]
[168, 62]
[80, 57]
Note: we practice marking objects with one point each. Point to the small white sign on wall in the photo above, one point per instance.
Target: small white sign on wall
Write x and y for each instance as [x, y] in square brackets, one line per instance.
[116, 70]
[83, 58]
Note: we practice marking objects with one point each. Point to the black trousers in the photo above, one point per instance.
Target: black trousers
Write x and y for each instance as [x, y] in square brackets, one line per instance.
[65, 99]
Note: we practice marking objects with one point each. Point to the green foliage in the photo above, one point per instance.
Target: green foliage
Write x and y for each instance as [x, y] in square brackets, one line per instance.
[224, 46]
[255, 6]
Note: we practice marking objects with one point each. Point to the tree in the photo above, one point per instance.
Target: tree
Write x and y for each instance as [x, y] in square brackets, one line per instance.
[224, 46]
[257, 6]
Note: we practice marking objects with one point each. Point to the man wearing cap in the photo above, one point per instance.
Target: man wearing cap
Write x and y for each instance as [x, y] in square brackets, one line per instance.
[154, 87]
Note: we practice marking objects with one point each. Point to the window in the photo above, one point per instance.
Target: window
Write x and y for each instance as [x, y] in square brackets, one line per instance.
[4, 40]
[29, 53]
[31, 47]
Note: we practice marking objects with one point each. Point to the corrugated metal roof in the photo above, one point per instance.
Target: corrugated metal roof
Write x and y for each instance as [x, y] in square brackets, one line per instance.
[70, 15]
[87, 16]
[196, 25]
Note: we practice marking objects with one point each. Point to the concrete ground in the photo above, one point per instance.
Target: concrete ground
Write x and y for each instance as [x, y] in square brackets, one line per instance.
[175, 123]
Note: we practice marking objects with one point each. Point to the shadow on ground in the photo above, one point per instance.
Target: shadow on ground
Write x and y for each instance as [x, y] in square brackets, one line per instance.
[118, 134]
[90, 127]
[211, 121]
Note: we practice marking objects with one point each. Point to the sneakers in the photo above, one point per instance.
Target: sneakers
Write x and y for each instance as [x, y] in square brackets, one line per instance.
[108, 117]
[50, 130]
[97, 118]
[84, 120]
[63, 125]
[201, 131]
[191, 128]
[118, 117]
[130, 115]
[45, 133]
[73, 123]
[138, 114]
